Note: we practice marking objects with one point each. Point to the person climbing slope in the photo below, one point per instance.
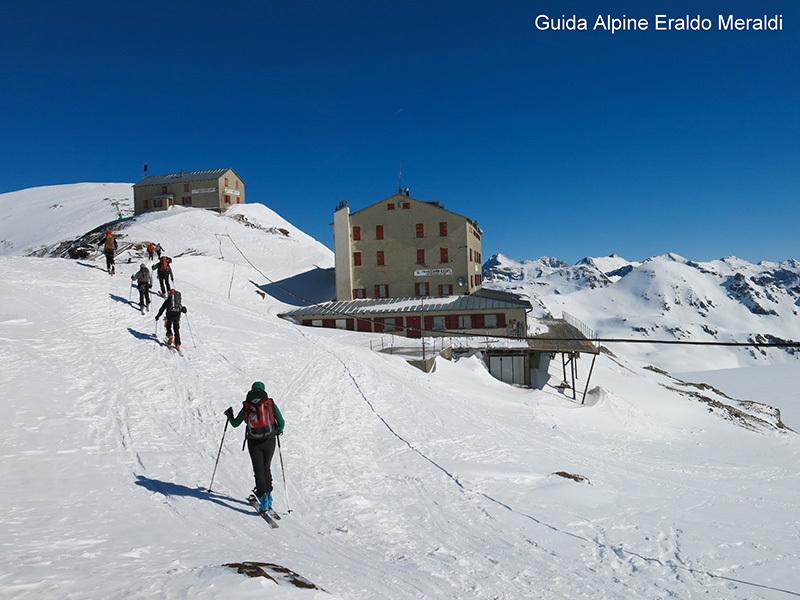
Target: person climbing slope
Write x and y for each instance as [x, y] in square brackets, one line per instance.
[174, 309]
[264, 424]
[144, 281]
[109, 249]
[164, 272]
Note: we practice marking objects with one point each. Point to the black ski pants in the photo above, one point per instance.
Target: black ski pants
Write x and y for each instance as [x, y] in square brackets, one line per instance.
[144, 295]
[163, 281]
[174, 326]
[261, 453]
[109, 260]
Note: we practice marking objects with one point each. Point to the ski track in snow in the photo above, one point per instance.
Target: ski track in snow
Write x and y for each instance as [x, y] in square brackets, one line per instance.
[400, 484]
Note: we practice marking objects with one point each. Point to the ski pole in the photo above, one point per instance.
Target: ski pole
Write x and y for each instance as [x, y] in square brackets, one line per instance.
[155, 335]
[190, 331]
[283, 472]
[218, 453]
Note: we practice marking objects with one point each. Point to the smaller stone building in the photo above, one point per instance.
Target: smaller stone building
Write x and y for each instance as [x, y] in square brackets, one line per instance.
[217, 189]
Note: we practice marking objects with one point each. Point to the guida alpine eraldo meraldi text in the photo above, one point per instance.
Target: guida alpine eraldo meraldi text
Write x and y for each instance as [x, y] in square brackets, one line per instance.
[660, 23]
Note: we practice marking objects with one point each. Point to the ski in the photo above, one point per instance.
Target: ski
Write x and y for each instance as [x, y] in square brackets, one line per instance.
[265, 514]
[178, 350]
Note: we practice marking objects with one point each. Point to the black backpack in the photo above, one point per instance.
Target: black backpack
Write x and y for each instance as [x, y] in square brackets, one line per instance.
[174, 305]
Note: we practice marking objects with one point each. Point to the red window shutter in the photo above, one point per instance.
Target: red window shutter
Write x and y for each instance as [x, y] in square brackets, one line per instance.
[501, 319]
[185, 187]
[356, 259]
[420, 230]
[444, 255]
[356, 233]
[451, 321]
[390, 206]
[378, 232]
[381, 258]
[406, 204]
[420, 257]
[416, 289]
[477, 321]
[441, 292]
[443, 228]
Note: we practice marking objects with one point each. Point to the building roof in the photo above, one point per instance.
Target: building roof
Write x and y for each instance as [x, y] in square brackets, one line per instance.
[186, 176]
[478, 300]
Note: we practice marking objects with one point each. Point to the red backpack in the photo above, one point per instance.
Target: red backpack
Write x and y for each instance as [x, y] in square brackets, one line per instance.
[259, 415]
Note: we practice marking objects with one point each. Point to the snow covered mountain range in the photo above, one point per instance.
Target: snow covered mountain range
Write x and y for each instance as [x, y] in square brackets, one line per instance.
[668, 298]
[393, 483]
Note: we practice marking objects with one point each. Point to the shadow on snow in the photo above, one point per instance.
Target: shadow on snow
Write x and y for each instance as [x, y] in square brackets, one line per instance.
[168, 488]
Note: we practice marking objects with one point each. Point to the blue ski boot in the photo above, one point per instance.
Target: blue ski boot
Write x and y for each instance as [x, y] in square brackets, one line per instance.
[265, 502]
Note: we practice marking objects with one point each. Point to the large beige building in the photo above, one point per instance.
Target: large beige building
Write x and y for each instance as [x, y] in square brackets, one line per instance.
[402, 247]
[216, 189]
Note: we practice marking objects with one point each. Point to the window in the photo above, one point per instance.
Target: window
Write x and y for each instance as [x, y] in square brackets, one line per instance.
[490, 321]
[382, 291]
[443, 228]
[420, 257]
[422, 289]
[381, 258]
[145, 203]
[356, 233]
[446, 289]
[185, 187]
[406, 205]
[464, 321]
[356, 259]
[444, 255]
[226, 182]
[163, 189]
[227, 199]
[158, 203]
[237, 184]
[438, 323]
[186, 200]
[392, 324]
[378, 232]
[420, 230]
[359, 293]
[390, 206]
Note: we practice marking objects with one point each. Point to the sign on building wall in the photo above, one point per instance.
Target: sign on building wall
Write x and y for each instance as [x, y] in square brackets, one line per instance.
[231, 192]
[204, 191]
[432, 272]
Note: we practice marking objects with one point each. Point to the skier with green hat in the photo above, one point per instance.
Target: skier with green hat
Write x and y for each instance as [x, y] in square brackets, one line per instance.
[264, 423]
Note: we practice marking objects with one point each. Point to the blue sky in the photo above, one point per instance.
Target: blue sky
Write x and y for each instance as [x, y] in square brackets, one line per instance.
[559, 143]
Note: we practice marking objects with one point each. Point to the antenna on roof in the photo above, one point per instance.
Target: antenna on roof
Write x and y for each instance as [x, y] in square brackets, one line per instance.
[400, 179]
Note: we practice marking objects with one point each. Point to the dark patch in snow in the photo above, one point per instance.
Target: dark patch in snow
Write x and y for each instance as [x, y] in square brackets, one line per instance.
[578, 478]
[271, 571]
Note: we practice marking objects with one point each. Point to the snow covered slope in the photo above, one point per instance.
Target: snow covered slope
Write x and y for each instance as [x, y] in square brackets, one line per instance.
[668, 298]
[399, 484]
